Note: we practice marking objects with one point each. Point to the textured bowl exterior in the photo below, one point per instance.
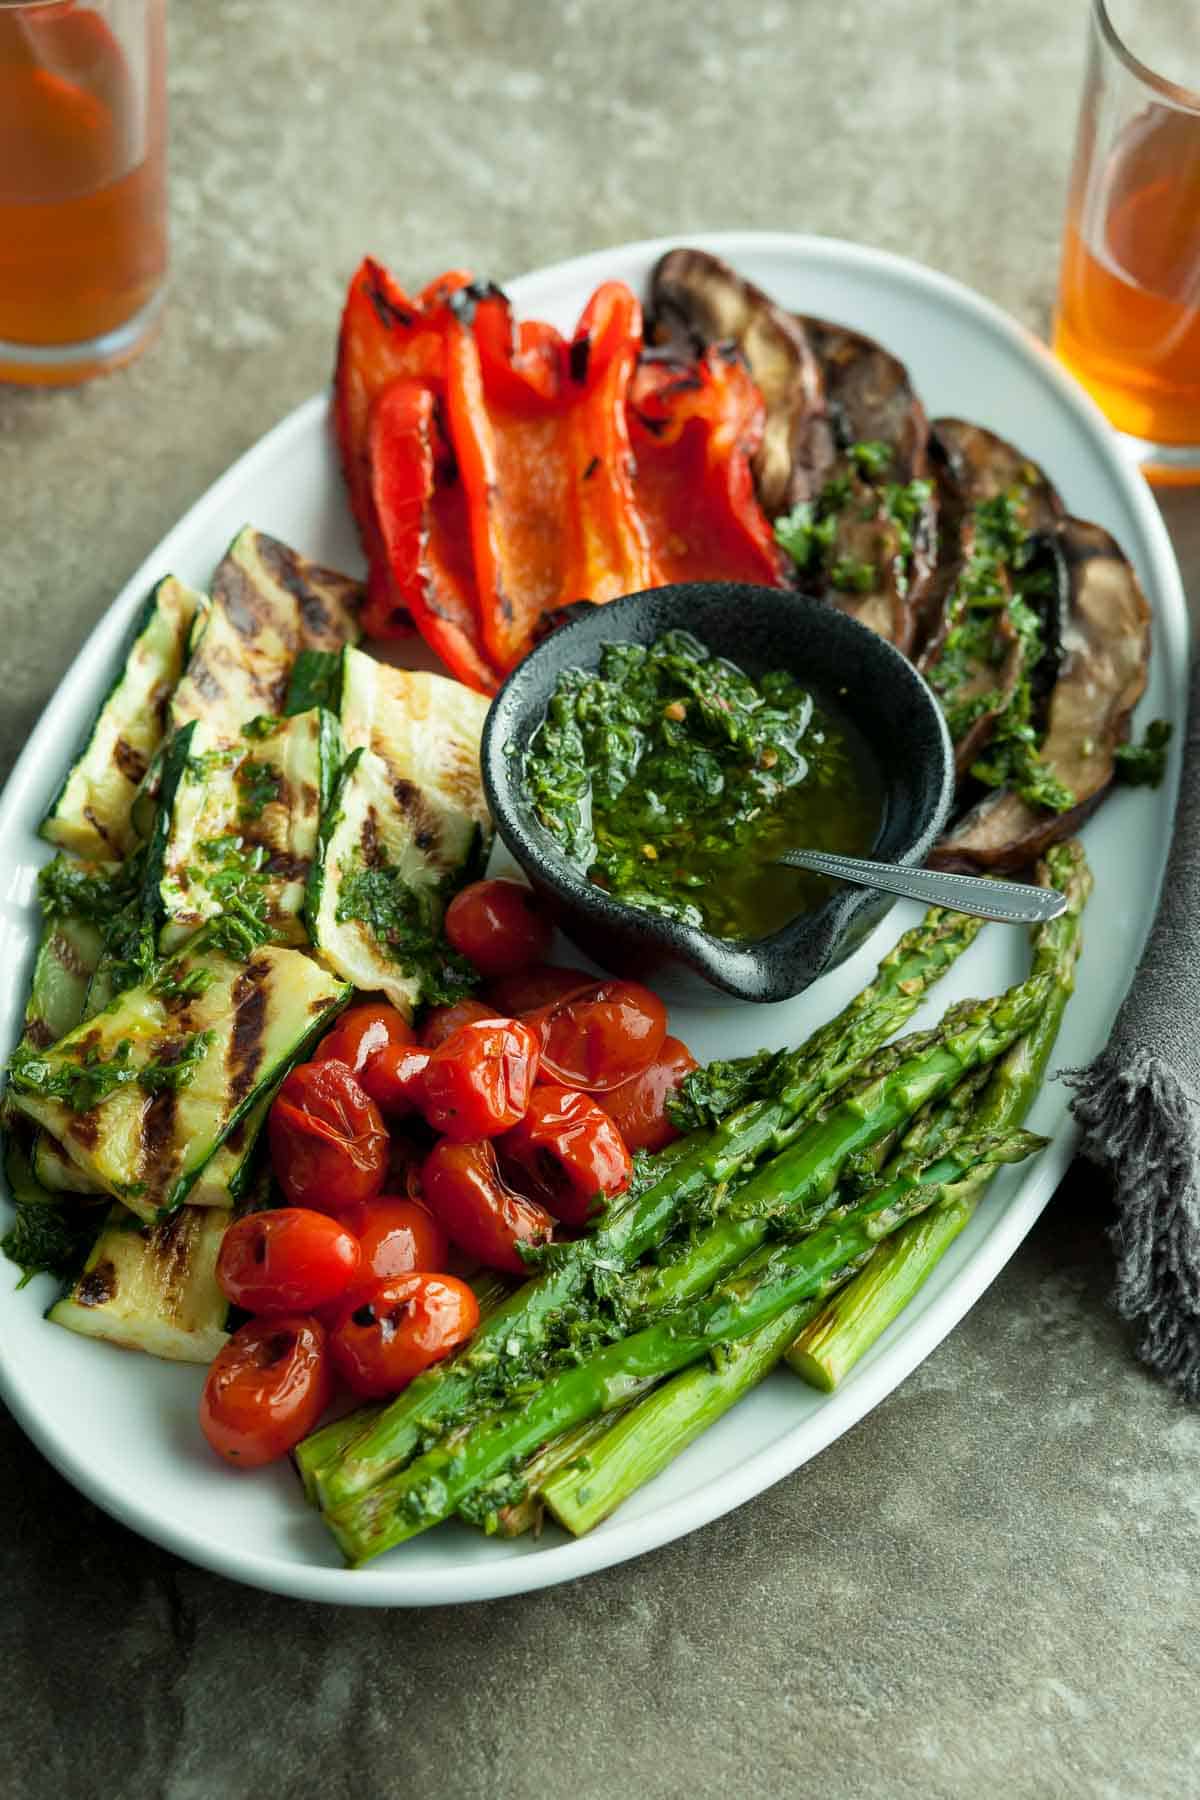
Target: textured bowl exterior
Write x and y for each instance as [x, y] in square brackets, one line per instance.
[854, 671]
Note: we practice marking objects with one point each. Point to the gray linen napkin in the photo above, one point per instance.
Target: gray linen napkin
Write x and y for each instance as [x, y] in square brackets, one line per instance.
[1139, 1108]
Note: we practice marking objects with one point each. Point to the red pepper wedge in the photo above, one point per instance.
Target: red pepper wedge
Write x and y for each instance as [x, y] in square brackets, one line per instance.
[609, 553]
[509, 439]
[420, 506]
[694, 427]
[541, 440]
[384, 336]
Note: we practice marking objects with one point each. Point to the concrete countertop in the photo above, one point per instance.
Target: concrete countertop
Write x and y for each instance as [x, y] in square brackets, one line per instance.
[990, 1586]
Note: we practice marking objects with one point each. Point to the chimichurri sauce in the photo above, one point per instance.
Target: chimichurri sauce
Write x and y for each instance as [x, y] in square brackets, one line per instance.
[674, 780]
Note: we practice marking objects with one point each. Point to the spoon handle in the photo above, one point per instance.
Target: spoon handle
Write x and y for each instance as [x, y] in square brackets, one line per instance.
[1011, 902]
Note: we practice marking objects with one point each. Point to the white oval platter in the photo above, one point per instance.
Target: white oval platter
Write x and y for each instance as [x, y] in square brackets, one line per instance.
[123, 1428]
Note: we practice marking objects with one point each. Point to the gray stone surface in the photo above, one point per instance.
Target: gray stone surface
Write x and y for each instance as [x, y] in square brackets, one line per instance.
[992, 1585]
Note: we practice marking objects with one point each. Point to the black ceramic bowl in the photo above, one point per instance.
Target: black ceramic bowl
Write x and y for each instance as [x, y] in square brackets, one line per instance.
[861, 677]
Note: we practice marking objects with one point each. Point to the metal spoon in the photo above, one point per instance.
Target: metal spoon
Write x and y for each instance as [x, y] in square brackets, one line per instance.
[1011, 902]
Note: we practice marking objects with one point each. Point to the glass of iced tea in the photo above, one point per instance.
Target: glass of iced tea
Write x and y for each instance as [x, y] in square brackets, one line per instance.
[83, 207]
[1128, 316]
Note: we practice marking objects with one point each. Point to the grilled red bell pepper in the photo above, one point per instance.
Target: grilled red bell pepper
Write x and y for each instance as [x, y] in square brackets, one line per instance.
[420, 507]
[609, 553]
[384, 337]
[694, 427]
[540, 436]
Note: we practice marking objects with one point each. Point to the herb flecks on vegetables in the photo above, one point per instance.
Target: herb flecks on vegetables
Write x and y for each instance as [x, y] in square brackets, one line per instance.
[824, 537]
[260, 784]
[1144, 764]
[406, 923]
[675, 781]
[84, 1083]
[234, 873]
[111, 900]
[709, 1094]
[995, 590]
[48, 1239]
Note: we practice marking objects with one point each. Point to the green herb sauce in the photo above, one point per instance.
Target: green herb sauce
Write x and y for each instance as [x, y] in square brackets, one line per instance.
[405, 922]
[675, 780]
[998, 581]
[811, 533]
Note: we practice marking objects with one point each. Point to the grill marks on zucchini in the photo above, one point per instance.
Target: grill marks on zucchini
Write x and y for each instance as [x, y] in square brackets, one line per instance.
[243, 827]
[425, 729]
[200, 809]
[237, 1036]
[407, 826]
[377, 896]
[245, 1052]
[152, 1289]
[268, 604]
[91, 814]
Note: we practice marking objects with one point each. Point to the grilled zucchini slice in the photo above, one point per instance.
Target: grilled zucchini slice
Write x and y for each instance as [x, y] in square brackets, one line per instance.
[426, 730]
[408, 826]
[152, 1287]
[66, 961]
[91, 813]
[149, 1140]
[391, 855]
[268, 604]
[243, 822]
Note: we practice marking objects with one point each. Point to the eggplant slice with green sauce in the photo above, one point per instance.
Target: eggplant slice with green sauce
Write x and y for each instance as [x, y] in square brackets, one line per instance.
[1105, 653]
[869, 489]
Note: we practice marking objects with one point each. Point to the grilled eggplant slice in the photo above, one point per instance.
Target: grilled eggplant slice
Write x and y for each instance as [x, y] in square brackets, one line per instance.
[869, 398]
[198, 1059]
[983, 466]
[970, 466]
[695, 300]
[879, 554]
[152, 1287]
[1105, 655]
[268, 604]
[91, 814]
[246, 815]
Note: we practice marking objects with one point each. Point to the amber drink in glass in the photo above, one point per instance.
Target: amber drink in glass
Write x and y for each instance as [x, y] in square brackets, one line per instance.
[83, 211]
[1128, 316]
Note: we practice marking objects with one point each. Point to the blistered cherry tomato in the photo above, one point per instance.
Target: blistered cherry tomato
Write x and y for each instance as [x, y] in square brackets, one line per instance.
[638, 1106]
[479, 1081]
[361, 1032]
[387, 1338]
[399, 1236]
[393, 1078]
[266, 1389]
[601, 1037]
[498, 925]
[329, 1147]
[287, 1260]
[528, 990]
[469, 1197]
[570, 1153]
[441, 1022]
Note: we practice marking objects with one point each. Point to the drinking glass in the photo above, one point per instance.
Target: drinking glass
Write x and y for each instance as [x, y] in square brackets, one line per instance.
[1127, 321]
[83, 210]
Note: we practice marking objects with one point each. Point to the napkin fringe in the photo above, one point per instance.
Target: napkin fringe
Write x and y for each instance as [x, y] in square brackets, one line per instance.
[1140, 1122]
